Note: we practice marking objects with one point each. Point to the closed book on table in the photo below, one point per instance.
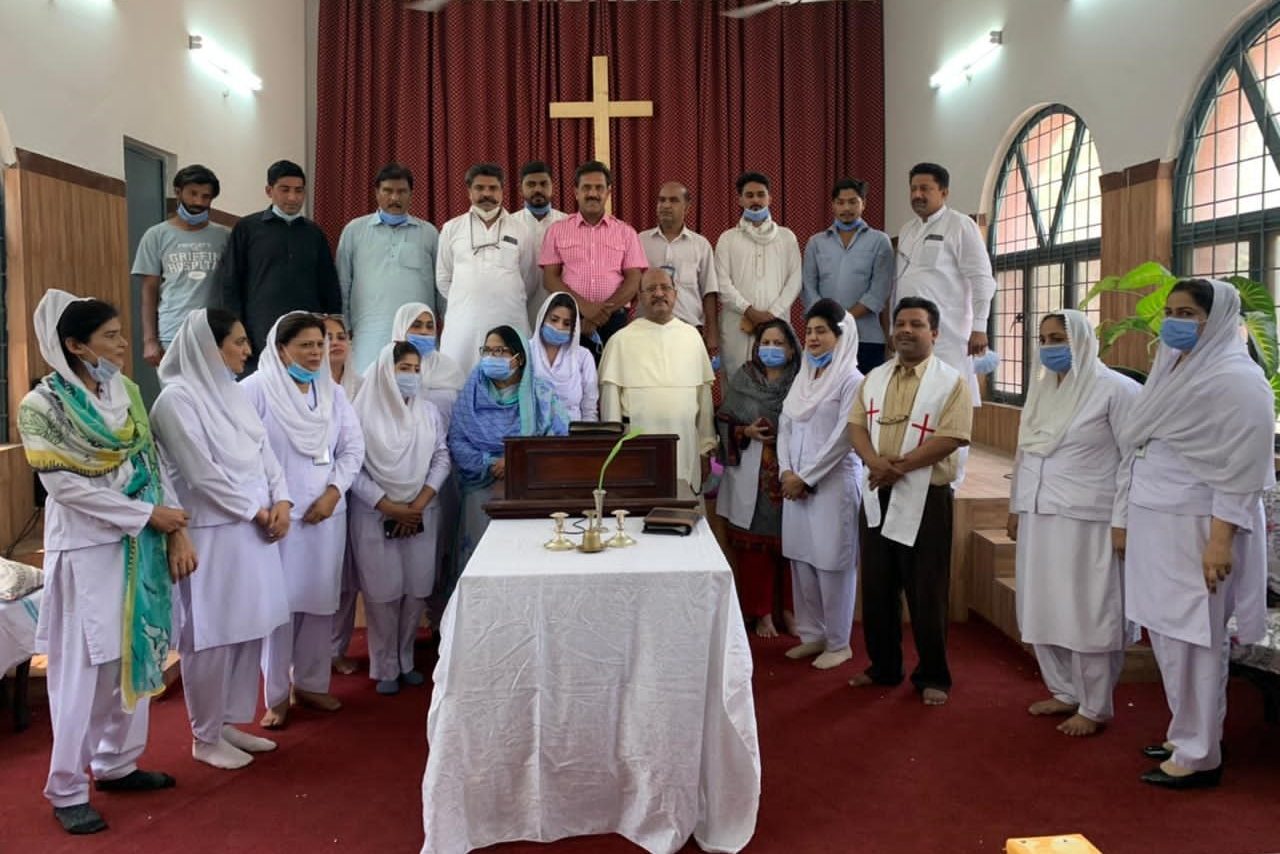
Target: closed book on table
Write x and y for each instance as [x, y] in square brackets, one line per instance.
[671, 520]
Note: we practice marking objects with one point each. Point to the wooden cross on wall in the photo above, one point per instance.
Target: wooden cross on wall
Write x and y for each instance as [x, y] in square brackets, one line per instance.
[600, 109]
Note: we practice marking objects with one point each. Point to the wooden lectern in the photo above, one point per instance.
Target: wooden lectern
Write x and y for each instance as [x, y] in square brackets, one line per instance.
[546, 474]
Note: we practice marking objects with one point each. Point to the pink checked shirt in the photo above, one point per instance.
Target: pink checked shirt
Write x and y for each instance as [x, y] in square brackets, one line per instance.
[594, 257]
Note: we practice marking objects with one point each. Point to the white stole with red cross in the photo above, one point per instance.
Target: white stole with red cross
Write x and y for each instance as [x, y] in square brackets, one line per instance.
[901, 521]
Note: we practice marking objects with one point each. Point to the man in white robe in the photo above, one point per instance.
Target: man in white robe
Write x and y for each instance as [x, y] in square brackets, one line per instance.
[758, 271]
[485, 269]
[537, 215]
[655, 371]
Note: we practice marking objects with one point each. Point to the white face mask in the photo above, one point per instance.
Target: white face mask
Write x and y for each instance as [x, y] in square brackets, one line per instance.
[487, 216]
[275, 209]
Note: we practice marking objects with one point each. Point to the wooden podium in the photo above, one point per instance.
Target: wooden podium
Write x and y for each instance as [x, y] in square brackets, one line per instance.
[546, 474]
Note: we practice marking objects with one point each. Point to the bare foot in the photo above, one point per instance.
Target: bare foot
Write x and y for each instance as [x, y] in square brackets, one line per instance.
[789, 624]
[344, 665]
[862, 680]
[1079, 725]
[315, 700]
[765, 627]
[1052, 706]
[275, 717]
[934, 696]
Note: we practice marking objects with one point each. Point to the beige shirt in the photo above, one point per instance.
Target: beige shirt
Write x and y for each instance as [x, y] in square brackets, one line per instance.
[954, 422]
[695, 265]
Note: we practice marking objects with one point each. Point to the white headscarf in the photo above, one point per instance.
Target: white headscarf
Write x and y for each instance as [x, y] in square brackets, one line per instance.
[351, 379]
[113, 400]
[1215, 409]
[762, 233]
[438, 370]
[566, 369]
[809, 390]
[1052, 404]
[236, 433]
[399, 438]
[310, 431]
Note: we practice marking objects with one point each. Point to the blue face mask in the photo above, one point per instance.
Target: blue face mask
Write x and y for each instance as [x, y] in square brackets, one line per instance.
[538, 210]
[715, 363]
[1056, 357]
[756, 216]
[772, 355]
[424, 344]
[102, 372]
[392, 219]
[840, 226]
[497, 368]
[275, 209]
[555, 337]
[408, 385]
[1180, 333]
[301, 374]
[820, 361]
[190, 218]
[233, 376]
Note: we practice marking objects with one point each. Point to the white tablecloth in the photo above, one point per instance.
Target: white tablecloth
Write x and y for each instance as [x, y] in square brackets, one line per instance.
[18, 630]
[581, 694]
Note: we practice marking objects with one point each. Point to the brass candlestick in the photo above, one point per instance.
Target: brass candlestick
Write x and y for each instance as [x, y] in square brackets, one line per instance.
[621, 539]
[559, 543]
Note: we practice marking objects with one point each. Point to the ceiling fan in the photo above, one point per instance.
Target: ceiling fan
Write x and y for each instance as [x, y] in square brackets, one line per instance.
[757, 8]
[426, 5]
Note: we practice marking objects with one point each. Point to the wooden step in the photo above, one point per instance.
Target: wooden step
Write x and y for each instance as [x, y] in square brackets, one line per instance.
[40, 669]
[990, 557]
[30, 550]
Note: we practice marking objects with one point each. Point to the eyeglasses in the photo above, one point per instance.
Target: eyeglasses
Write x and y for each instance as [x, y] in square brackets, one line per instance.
[497, 351]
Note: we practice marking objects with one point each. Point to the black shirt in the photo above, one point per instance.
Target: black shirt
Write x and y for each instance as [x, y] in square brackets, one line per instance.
[271, 267]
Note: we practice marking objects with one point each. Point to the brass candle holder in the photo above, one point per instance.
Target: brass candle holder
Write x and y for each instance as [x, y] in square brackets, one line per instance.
[559, 542]
[621, 539]
[592, 537]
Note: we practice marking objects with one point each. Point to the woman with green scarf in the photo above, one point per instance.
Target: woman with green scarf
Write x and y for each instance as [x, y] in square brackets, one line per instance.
[114, 544]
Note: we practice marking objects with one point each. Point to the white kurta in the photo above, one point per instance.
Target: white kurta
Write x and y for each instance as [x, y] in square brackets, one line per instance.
[659, 376]
[391, 568]
[1070, 581]
[487, 276]
[944, 259]
[238, 593]
[537, 229]
[822, 529]
[749, 274]
[312, 554]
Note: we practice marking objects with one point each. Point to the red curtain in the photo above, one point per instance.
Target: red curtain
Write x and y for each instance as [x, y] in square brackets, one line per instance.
[795, 92]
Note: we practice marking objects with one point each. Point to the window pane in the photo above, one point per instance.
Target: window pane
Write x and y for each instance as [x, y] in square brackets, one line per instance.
[1009, 333]
[1220, 259]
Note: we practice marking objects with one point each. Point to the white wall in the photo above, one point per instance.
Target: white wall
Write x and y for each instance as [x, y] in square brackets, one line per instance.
[1130, 68]
[77, 76]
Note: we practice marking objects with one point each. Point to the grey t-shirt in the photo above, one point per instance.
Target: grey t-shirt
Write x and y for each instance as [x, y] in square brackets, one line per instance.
[185, 261]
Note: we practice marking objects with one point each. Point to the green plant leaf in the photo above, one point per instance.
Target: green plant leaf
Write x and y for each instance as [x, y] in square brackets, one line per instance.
[1253, 295]
[1262, 335]
[1105, 285]
[1109, 331]
[616, 447]
[1275, 390]
[1150, 274]
[1151, 307]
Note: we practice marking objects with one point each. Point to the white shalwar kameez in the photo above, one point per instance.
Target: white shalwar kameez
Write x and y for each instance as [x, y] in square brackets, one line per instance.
[757, 266]
[820, 532]
[537, 230]
[312, 555]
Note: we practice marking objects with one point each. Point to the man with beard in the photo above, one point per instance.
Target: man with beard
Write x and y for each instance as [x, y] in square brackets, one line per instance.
[656, 372]
[757, 269]
[485, 269]
[673, 245]
[385, 259]
[176, 259]
[594, 257]
[536, 187]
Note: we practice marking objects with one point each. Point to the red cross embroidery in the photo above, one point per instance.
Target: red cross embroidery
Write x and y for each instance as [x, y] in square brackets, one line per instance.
[872, 412]
[924, 429]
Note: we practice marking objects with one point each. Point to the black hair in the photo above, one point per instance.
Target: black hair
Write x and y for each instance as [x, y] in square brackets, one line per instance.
[1201, 291]
[750, 178]
[338, 319]
[563, 300]
[776, 323]
[830, 311]
[284, 169]
[919, 302]
[487, 170]
[513, 341]
[939, 174]
[402, 349]
[393, 172]
[80, 320]
[293, 325]
[196, 174]
[221, 322]
[592, 166]
[859, 187]
[1055, 315]
[535, 167]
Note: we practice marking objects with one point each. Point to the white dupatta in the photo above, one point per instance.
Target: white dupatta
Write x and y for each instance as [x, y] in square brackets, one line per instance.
[399, 436]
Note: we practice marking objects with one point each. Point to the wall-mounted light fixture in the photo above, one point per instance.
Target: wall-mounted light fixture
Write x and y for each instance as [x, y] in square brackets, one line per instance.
[961, 68]
[231, 71]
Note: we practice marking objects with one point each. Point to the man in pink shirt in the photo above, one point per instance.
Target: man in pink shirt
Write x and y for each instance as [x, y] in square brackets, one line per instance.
[595, 257]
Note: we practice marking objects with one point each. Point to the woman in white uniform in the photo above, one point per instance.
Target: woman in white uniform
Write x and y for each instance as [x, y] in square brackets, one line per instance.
[113, 543]
[1070, 592]
[230, 482]
[344, 620]
[820, 478]
[442, 379]
[395, 519]
[559, 358]
[315, 436]
[1198, 454]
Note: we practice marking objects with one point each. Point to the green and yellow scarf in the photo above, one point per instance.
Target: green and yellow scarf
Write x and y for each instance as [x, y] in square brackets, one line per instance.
[63, 431]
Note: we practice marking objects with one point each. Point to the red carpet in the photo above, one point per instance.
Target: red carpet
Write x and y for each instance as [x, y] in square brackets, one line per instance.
[844, 771]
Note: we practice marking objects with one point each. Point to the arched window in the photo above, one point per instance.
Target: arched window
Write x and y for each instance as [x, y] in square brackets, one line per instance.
[1045, 237]
[1227, 182]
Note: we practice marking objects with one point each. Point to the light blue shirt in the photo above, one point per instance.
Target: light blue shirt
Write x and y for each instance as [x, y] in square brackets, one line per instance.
[380, 268]
[861, 272]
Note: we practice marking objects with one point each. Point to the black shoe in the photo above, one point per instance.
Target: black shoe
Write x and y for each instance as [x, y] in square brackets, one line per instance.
[136, 781]
[1194, 780]
[1158, 752]
[79, 819]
